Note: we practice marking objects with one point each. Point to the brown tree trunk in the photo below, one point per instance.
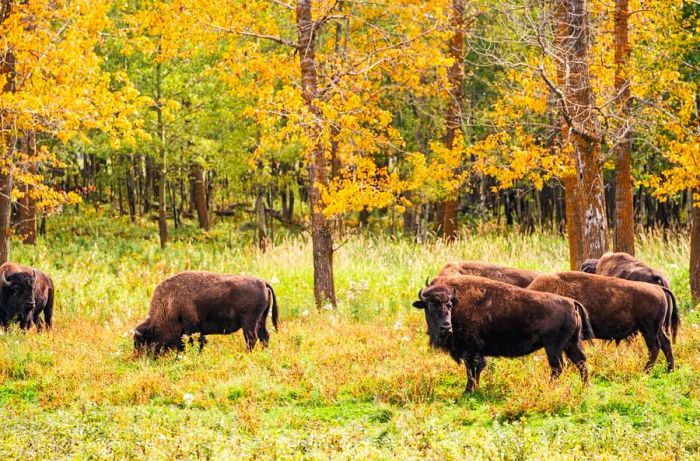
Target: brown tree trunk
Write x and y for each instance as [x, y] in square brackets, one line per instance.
[162, 183]
[260, 221]
[695, 250]
[583, 126]
[624, 198]
[27, 208]
[7, 69]
[321, 229]
[199, 195]
[574, 225]
[453, 117]
[130, 188]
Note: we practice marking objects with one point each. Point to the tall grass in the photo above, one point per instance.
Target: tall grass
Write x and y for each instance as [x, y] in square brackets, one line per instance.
[353, 383]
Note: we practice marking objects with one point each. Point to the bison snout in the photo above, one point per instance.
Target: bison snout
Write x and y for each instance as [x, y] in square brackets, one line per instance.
[445, 327]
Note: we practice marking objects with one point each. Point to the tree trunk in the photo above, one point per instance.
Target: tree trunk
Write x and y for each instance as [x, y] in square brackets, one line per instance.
[583, 125]
[130, 192]
[453, 117]
[624, 199]
[27, 208]
[260, 221]
[162, 185]
[7, 70]
[695, 251]
[199, 195]
[321, 229]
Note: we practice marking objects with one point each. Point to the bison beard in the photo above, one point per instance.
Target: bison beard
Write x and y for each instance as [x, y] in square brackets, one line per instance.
[206, 303]
[618, 308]
[510, 275]
[472, 318]
[25, 293]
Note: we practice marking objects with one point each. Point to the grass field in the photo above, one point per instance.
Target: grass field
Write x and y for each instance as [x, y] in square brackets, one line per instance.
[359, 382]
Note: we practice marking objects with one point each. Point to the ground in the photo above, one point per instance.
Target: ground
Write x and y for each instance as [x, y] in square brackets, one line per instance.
[359, 382]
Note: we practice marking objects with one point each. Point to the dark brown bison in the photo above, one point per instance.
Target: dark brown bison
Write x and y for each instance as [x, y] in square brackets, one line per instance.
[512, 276]
[624, 266]
[25, 293]
[618, 308]
[472, 318]
[206, 303]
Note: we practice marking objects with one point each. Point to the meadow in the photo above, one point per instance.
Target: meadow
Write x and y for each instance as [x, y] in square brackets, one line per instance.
[359, 382]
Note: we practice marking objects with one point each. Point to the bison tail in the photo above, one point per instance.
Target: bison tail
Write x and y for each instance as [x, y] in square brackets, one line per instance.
[275, 313]
[586, 328]
[673, 319]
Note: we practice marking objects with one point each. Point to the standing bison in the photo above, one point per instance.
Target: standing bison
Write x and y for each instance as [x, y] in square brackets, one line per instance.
[619, 308]
[25, 293]
[472, 318]
[206, 303]
[512, 276]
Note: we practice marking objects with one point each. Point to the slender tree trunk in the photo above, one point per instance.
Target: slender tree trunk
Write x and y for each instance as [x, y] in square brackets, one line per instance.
[454, 107]
[321, 229]
[27, 209]
[200, 198]
[584, 127]
[130, 189]
[624, 198]
[162, 186]
[260, 221]
[7, 70]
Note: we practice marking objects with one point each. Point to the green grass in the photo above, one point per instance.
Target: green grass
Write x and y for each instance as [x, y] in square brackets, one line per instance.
[358, 382]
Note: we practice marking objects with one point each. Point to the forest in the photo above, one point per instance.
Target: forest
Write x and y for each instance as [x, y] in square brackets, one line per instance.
[343, 151]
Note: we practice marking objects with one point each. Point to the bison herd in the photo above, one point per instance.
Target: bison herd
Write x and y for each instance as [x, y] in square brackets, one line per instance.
[476, 310]
[473, 310]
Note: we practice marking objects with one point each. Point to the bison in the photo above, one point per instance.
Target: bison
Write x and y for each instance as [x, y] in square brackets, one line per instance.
[206, 303]
[512, 276]
[25, 293]
[625, 266]
[472, 318]
[618, 308]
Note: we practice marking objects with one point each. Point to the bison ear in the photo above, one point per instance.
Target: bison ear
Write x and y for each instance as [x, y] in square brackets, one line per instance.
[419, 305]
[454, 300]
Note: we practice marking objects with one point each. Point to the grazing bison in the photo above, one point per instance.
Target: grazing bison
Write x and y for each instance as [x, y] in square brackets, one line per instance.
[472, 318]
[206, 303]
[25, 293]
[618, 308]
[512, 276]
[624, 266]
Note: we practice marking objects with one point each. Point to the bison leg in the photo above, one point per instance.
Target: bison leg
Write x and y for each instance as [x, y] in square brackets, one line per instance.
[574, 352]
[48, 312]
[555, 360]
[202, 341]
[475, 364]
[652, 342]
[263, 335]
[666, 348]
[250, 333]
[37, 321]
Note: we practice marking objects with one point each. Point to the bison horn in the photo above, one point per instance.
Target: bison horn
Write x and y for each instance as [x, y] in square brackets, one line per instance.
[420, 295]
[5, 282]
[33, 274]
[427, 281]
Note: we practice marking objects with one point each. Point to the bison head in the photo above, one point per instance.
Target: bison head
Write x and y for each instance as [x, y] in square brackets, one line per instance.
[437, 302]
[144, 337]
[18, 295]
[590, 266]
